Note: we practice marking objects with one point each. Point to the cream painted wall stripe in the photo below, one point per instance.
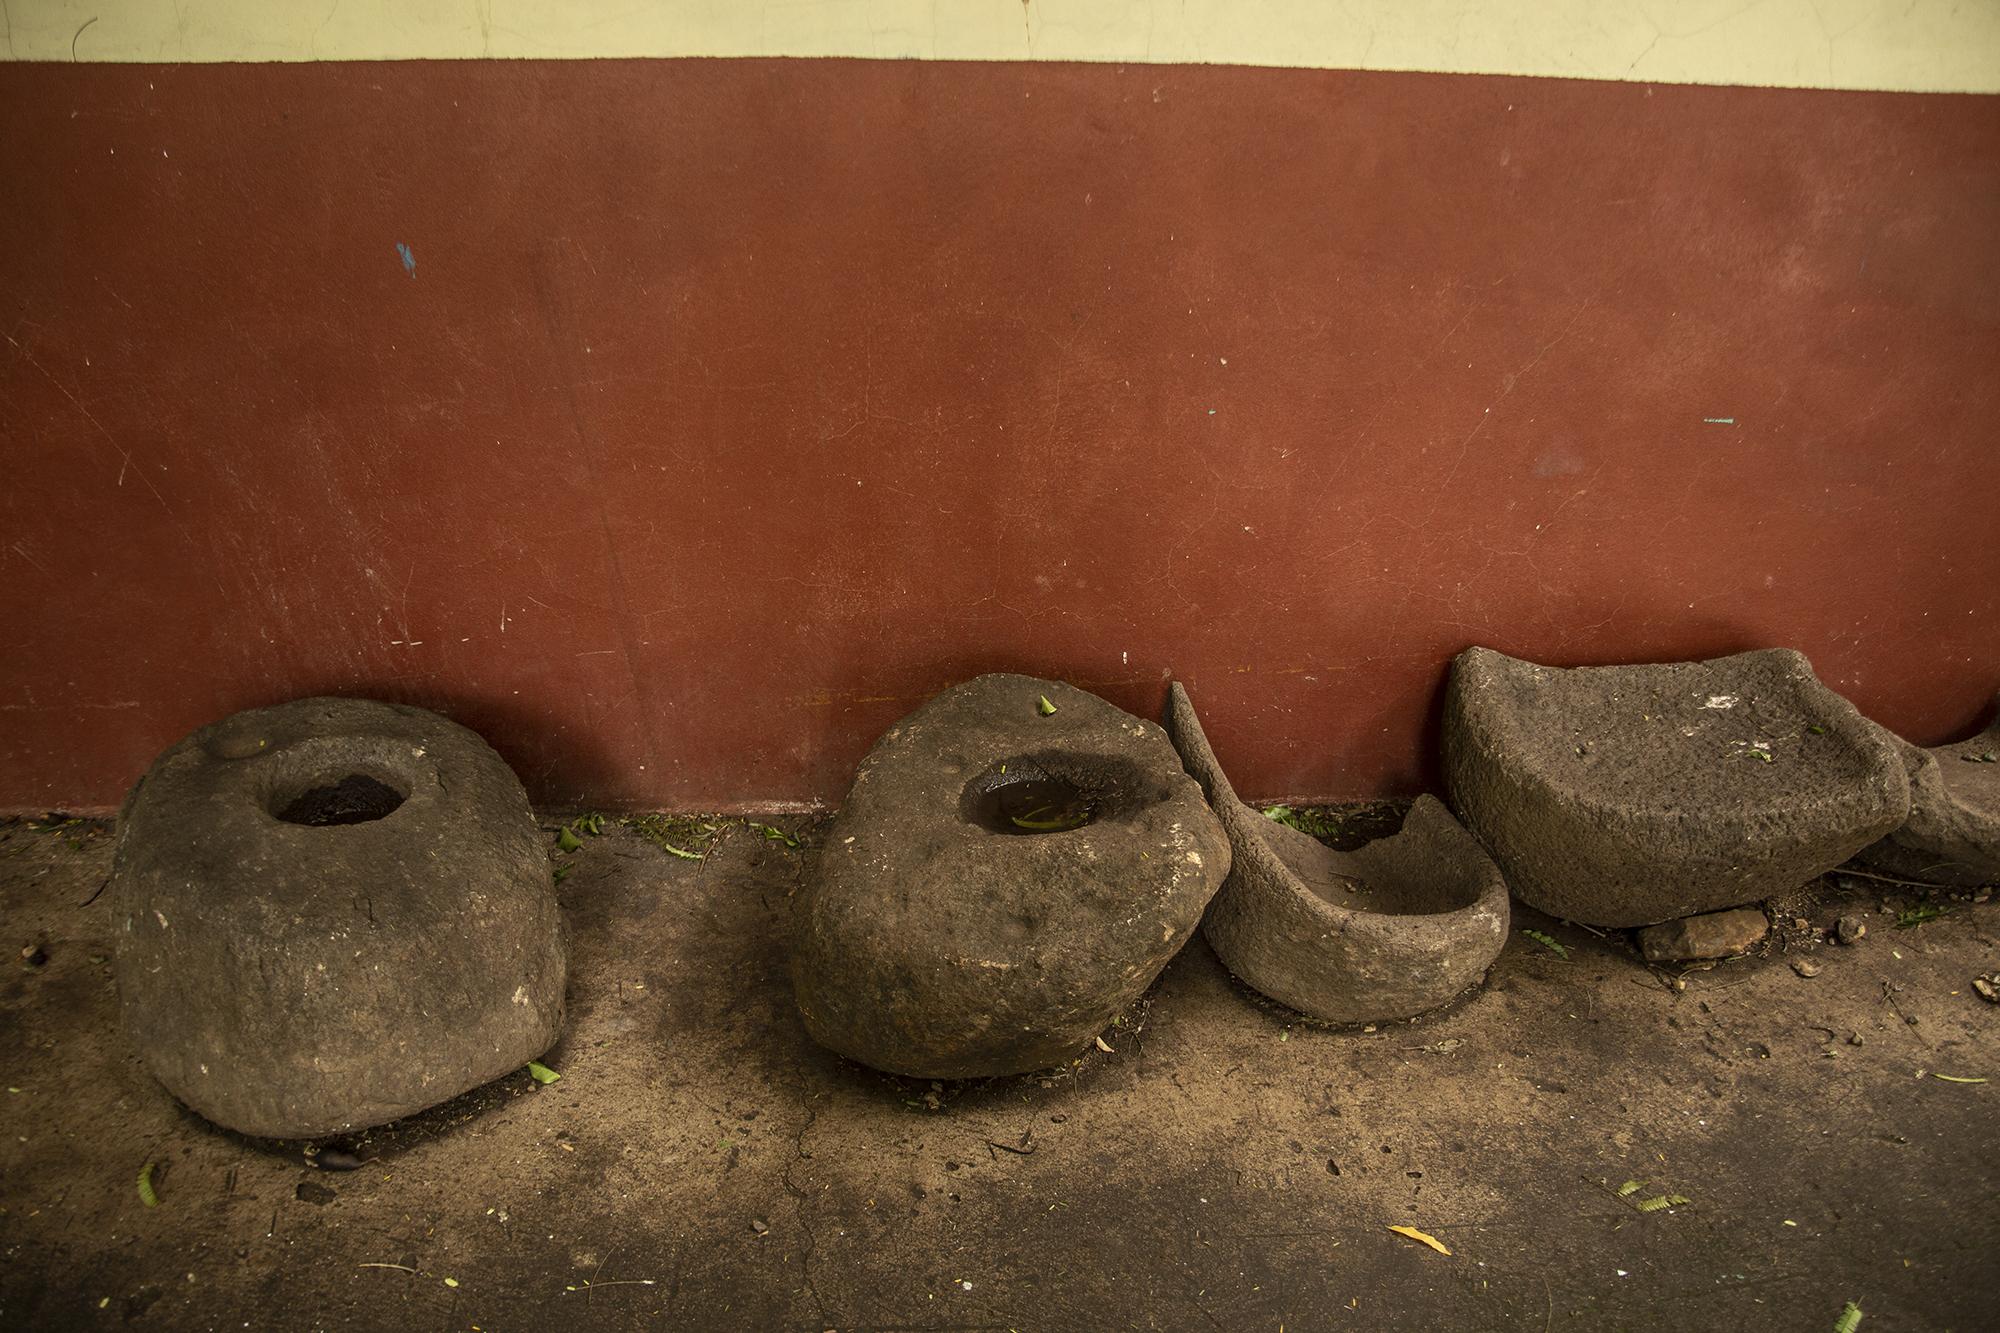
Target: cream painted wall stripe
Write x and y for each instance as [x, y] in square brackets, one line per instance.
[1901, 45]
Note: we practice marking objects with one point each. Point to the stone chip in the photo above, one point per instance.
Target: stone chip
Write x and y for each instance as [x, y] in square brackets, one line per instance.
[1708, 935]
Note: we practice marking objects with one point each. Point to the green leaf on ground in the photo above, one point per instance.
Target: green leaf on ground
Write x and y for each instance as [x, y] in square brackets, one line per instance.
[1549, 942]
[1630, 1187]
[561, 873]
[541, 1073]
[1950, 1078]
[567, 841]
[592, 824]
[1313, 823]
[775, 834]
[1659, 1201]
[146, 1194]
[1045, 707]
[1916, 916]
[1850, 1319]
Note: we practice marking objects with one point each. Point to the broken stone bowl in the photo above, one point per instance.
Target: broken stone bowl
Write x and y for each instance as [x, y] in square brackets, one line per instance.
[1952, 837]
[1015, 863]
[331, 914]
[1627, 795]
[1389, 930]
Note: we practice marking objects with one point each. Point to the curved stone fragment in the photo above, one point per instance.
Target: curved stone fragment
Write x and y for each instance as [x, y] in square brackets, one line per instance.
[1398, 926]
[1952, 837]
[1015, 863]
[331, 914]
[1626, 795]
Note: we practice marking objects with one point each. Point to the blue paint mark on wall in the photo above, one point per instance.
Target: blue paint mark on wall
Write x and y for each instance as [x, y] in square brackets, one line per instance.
[409, 260]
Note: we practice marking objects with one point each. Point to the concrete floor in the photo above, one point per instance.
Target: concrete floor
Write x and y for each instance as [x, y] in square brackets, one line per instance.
[701, 1165]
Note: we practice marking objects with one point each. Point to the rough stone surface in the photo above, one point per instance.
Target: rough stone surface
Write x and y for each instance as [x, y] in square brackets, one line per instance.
[930, 943]
[1398, 926]
[294, 980]
[1952, 836]
[1710, 935]
[1622, 796]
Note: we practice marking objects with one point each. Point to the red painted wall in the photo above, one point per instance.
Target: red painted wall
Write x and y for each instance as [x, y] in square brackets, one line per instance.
[733, 407]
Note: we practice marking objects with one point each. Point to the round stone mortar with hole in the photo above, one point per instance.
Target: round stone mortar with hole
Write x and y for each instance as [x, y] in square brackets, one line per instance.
[331, 914]
[1015, 863]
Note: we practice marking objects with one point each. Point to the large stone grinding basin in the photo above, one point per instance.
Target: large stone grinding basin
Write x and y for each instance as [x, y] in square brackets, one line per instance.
[1628, 795]
[1001, 882]
[331, 914]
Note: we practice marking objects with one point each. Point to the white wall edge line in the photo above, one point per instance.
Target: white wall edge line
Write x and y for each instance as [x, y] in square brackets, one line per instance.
[1945, 46]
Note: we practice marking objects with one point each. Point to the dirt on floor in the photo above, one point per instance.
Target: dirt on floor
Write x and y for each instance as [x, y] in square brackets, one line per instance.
[1225, 1164]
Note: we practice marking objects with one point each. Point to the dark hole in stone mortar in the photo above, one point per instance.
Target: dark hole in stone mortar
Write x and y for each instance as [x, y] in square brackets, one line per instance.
[354, 799]
[1029, 802]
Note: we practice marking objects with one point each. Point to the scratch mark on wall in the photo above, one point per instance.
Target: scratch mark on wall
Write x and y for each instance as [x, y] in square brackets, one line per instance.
[312, 46]
[1512, 382]
[409, 260]
[558, 330]
[77, 403]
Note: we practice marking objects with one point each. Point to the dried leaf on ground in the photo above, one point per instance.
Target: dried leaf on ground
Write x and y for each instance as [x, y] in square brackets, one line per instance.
[1422, 1238]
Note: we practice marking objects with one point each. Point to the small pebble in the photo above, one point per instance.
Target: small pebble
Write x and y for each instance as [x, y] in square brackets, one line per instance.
[1800, 923]
[1986, 990]
[1805, 967]
[1849, 929]
[760, 1226]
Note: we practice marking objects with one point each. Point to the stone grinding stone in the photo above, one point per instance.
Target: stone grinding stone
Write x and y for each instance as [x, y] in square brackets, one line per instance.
[1952, 837]
[1389, 930]
[292, 980]
[929, 944]
[1710, 935]
[1622, 796]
